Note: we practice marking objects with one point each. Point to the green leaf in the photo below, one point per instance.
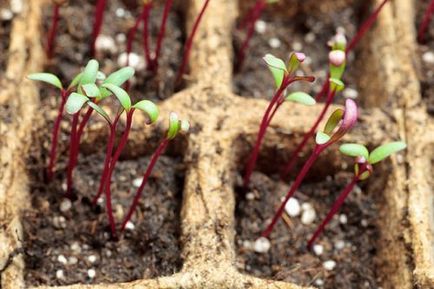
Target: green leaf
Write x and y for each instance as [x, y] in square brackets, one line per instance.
[91, 90]
[321, 138]
[185, 125]
[277, 68]
[46, 77]
[336, 72]
[99, 110]
[120, 94]
[301, 97]
[117, 78]
[336, 84]
[174, 126]
[100, 75]
[90, 72]
[75, 80]
[75, 102]
[354, 150]
[333, 120]
[383, 151]
[149, 108]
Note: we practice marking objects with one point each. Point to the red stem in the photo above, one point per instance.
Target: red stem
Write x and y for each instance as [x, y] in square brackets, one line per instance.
[72, 158]
[336, 206]
[308, 135]
[251, 29]
[99, 14]
[324, 90]
[107, 160]
[132, 34]
[188, 44]
[108, 200]
[154, 63]
[425, 21]
[55, 136]
[52, 32]
[248, 18]
[139, 191]
[261, 133]
[146, 12]
[293, 188]
[365, 27]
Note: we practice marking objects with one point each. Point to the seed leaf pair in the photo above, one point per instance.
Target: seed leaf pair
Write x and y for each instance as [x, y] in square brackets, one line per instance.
[377, 155]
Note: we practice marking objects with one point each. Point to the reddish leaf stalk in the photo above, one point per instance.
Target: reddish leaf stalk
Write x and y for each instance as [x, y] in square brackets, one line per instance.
[259, 7]
[189, 42]
[337, 204]
[146, 12]
[139, 191]
[308, 135]
[154, 62]
[107, 160]
[315, 154]
[99, 15]
[248, 18]
[55, 135]
[262, 129]
[52, 32]
[72, 158]
[425, 22]
[365, 27]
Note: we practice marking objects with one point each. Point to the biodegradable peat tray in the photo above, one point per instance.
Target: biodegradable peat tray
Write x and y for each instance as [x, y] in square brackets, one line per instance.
[195, 224]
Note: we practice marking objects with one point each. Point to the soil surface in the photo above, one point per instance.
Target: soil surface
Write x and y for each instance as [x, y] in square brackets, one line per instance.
[299, 31]
[72, 49]
[426, 52]
[5, 30]
[68, 246]
[349, 239]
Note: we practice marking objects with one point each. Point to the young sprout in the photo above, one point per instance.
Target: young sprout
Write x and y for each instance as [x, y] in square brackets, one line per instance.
[283, 76]
[338, 124]
[425, 21]
[189, 43]
[99, 15]
[362, 170]
[337, 62]
[249, 21]
[53, 28]
[175, 126]
[366, 25]
[64, 93]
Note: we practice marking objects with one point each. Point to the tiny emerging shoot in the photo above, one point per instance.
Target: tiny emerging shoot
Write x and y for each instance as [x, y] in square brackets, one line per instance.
[338, 124]
[362, 170]
[175, 126]
[248, 23]
[337, 63]
[284, 75]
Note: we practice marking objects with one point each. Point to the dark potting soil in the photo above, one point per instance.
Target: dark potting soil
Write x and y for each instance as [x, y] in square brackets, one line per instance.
[73, 245]
[72, 48]
[349, 240]
[426, 52]
[5, 31]
[302, 31]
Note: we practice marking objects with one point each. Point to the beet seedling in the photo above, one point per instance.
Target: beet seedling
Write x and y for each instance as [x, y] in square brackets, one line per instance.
[337, 62]
[338, 124]
[283, 76]
[175, 126]
[249, 22]
[425, 21]
[75, 103]
[366, 25]
[64, 93]
[362, 170]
